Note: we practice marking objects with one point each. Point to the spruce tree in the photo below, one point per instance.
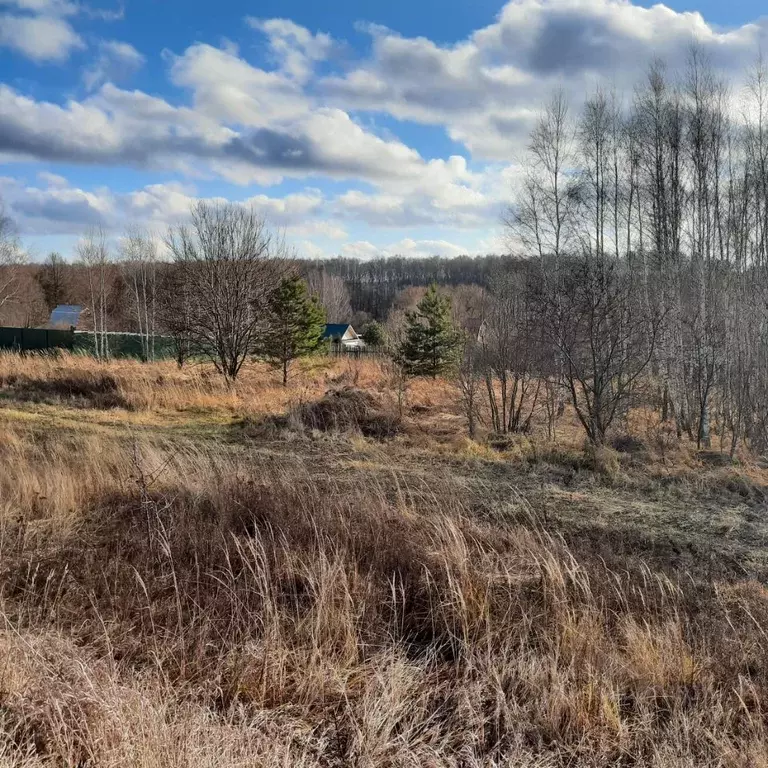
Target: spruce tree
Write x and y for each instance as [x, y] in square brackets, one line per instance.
[373, 334]
[296, 323]
[430, 345]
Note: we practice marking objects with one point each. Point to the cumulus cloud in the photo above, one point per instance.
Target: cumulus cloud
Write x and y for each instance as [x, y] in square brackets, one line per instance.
[308, 218]
[226, 133]
[227, 86]
[307, 116]
[116, 61]
[40, 38]
[55, 207]
[52, 7]
[485, 89]
[364, 249]
[41, 31]
[294, 47]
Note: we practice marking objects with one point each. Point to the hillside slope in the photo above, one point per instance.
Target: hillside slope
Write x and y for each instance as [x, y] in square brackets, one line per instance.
[191, 575]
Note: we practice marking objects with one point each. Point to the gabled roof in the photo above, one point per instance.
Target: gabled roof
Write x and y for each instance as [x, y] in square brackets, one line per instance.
[336, 330]
[66, 315]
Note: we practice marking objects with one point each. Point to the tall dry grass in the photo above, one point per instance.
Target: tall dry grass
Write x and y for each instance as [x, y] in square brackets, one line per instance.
[82, 381]
[168, 599]
[184, 605]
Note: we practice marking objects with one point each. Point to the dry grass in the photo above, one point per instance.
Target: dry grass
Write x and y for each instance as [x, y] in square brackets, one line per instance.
[203, 600]
[79, 380]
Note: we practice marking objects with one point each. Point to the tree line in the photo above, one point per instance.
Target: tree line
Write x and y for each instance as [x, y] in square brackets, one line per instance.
[639, 274]
[226, 291]
[642, 229]
[644, 224]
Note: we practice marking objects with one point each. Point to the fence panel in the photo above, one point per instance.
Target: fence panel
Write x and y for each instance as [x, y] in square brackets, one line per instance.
[367, 353]
[125, 345]
[35, 339]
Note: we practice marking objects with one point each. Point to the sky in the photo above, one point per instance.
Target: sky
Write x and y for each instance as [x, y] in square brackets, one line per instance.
[356, 128]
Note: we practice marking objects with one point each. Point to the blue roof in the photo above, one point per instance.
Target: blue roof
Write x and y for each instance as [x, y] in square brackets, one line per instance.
[66, 314]
[335, 330]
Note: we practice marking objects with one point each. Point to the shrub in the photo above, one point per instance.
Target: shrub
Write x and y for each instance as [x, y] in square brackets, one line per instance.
[350, 410]
[628, 444]
[604, 460]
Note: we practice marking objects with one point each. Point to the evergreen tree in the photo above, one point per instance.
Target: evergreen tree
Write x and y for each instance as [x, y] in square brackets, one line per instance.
[430, 345]
[373, 334]
[296, 323]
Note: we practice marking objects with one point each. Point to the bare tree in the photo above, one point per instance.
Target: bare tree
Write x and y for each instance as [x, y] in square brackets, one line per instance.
[601, 333]
[53, 279]
[138, 255]
[658, 132]
[705, 144]
[509, 348]
[543, 219]
[332, 293]
[174, 310]
[470, 380]
[658, 217]
[93, 252]
[229, 263]
[11, 258]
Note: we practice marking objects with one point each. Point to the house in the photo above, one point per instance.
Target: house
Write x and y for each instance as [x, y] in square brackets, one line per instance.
[65, 316]
[342, 336]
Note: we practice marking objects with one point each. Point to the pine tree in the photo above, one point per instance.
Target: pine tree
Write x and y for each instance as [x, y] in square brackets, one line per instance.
[296, 323]
[373, 334]
[431, 344]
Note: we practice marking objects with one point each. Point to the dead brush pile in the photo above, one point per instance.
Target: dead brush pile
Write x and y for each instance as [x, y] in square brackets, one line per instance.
[349, 410]
[246, 612]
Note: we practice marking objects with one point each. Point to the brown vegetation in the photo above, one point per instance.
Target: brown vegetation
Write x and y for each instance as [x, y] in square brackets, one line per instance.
[179, 590]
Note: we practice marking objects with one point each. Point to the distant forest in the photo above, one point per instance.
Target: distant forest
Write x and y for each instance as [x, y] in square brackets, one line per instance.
[374, 286]
[352, 290]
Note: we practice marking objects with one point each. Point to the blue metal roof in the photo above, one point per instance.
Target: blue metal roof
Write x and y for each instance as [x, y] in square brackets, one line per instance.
[66, 315]
[335, 330]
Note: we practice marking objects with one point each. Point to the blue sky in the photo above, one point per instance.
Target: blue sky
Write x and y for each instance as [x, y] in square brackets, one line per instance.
[357, 128]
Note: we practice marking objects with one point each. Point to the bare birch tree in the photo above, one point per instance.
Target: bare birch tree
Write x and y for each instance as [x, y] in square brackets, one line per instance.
[92, 250]
[11, 258]
[138, 260]
[332, 293]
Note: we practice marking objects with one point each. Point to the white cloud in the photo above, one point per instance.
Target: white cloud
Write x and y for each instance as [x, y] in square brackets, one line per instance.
[311, 138]
[55, 207]
[39, 29]
[310, 250]
[228, 87]
[51, 7]
[299, 116]
[116, 61]
[363, 249]
[485, 90]
[52, 179]
[258, 127]
[327, 230]
[294, 47]
[40, 38]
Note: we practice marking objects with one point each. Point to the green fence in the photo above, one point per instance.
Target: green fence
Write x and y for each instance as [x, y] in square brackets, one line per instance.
[41, 339]
[124, 345]
[35, 339]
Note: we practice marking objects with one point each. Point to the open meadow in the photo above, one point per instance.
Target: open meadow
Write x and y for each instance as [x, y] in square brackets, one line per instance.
[197, 575]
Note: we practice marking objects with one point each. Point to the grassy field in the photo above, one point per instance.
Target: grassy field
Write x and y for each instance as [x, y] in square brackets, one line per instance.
[192, 575]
